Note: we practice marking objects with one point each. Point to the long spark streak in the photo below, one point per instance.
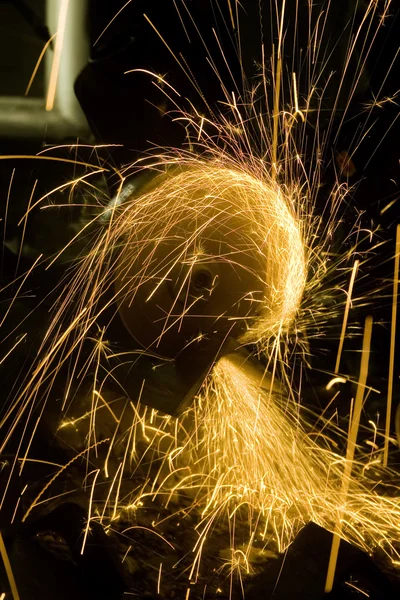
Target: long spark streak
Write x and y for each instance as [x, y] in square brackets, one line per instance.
[351, 445]
[87, 528]
[38, 63]
[159, 579]
[19, 340]
[110, 22]
[392, 347]
[346, 314]
[48, 484]
[8, 569]
[52, 158]
[277, 92]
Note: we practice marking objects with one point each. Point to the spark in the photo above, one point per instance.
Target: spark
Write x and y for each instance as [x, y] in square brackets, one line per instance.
[334, 381]
[50, 158]
[358, 589]
[48, 484]
[151, 531]
[73, 422]
[160, 78]
[159, 578]
[351, 445]
[25, 219]
[167, 46]
[19, 340]
[6, 212]
[70, 184]
[389, 205]
[25, 277]
[277, 90]
[111, 21]
[297, 111]
[346, 314]
[38, 63]
[87, 528]
[375, 103]
[392, 347]
[8, 569]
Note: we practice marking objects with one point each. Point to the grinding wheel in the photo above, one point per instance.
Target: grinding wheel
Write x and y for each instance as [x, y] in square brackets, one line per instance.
[193, 279]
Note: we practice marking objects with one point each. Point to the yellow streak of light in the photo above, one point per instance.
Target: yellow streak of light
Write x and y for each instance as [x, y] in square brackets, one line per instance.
[351, 445]
[20, 339]
[164, 42]
[160, 78]
[94, 147]
[39, 60]
[70, 184]
[8, 569]
[48, 484]
[25, 277]
[110, 489]
[392, 347]
[346, 314]
[38, 371]
[333, 381]
[6, 211]
[297, 111]
[231, 15]
[361, 591]
[277, 91]
[151, 531]
[106, 405]
[55, 67]
[385, 208]
[56, 158]
[181, 65]
[87, 528]
[24, 222]
[111, 21]
[40, 462]
[159, 579]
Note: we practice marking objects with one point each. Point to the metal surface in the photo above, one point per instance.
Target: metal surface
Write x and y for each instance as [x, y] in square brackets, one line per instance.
[25, 116]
